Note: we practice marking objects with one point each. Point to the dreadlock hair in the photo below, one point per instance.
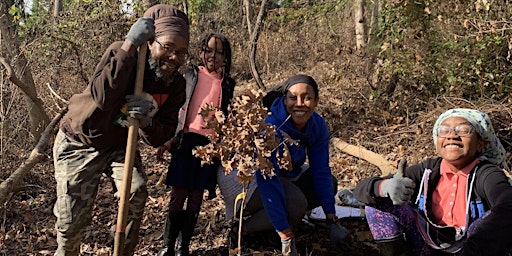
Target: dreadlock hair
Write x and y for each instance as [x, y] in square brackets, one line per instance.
[226, 47]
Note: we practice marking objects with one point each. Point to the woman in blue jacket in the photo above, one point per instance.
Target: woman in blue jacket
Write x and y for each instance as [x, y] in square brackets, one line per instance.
[281, 201]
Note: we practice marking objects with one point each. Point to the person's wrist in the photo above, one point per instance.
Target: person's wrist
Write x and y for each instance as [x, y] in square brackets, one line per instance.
[380, 188]
[129, 47]
[286, 234]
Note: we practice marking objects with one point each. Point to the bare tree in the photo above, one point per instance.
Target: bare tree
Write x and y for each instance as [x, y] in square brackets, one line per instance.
[372, 63]
[360, 26]
[254, 41]
[57, 7]
[20, 68]
[374, 22]
[249, 13]
[149, 3]
[185, 7]
[38, 154]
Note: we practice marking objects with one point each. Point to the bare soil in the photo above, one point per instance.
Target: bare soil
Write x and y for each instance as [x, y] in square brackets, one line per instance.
[27, 221]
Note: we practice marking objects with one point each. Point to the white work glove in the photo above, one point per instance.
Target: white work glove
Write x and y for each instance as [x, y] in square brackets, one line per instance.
[288, 247]
[399, 188]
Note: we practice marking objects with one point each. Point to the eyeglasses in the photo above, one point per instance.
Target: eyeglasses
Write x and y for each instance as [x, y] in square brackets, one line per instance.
[462, 130]
[183, 54]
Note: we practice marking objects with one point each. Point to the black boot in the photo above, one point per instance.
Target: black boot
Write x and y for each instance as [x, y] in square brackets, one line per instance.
[233, 237]
[395, 247]
[189, 223]
[173, 226]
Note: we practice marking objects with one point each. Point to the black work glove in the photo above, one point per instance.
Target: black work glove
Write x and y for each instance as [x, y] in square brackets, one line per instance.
[288, 247]
[138, 108]
[337, 233]
[399, 188]
[141, 31]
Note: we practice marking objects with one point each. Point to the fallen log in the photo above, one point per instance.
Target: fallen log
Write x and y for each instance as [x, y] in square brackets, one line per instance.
[385, 166]
[12, 184]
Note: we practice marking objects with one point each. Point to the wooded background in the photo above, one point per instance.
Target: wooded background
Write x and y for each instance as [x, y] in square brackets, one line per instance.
[386, 69]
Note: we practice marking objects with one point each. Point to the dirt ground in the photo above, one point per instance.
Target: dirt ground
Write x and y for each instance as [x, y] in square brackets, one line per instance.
[28, 223]
[395, 123]
[27, 220]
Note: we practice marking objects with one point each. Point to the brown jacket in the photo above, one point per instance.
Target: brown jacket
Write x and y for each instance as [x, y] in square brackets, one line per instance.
[93, 115]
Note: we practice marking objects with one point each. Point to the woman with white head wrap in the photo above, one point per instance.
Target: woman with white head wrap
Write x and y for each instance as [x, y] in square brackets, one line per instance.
[493, 151]
[456, 203]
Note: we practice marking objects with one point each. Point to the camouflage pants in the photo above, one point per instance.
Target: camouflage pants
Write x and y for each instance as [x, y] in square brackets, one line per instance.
[78, 169]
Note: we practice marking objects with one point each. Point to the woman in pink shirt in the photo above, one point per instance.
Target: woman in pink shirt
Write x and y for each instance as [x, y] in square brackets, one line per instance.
[208, 83]
[459, 203]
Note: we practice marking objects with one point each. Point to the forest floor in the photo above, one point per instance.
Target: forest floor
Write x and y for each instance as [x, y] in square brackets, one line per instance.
[27, 221]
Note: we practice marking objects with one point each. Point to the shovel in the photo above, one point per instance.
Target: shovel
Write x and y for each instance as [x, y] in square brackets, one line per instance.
[129, 159]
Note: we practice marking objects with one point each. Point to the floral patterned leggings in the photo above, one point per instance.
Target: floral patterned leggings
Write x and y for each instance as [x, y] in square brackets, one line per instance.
[388, 222]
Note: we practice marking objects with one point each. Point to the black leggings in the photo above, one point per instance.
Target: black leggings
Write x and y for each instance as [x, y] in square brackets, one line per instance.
[179, 195]
[300, 196]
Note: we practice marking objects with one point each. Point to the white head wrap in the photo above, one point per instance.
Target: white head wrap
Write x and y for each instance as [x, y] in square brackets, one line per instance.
[493, 151]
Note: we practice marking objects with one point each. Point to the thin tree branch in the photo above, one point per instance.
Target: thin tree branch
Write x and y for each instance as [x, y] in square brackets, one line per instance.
[254, 44]
[378, 160]
[55, 94]
[10, 185]
[13, 78]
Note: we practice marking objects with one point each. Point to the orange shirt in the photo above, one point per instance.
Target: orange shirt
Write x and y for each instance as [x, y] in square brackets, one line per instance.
[449, 198]
[208, 90]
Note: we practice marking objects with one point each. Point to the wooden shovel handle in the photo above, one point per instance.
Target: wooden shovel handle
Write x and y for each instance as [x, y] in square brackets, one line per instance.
[129, 159]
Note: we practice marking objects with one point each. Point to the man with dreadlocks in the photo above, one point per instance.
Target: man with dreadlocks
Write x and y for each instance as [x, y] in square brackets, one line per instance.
[209, 83]
[93, 134]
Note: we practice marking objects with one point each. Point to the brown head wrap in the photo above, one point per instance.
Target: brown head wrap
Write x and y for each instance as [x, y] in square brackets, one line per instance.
[169, 20]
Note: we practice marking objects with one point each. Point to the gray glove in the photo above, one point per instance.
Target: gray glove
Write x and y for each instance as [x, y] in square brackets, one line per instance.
[138, 108]
[337, 233]
[141, 31]
[288, 247]
[399, 188]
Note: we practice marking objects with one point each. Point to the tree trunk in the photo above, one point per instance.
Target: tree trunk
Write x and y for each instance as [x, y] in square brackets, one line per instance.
[384, 165]
[11, 184]
[374, 22]
[360, 26]
[185, 7]
[254, 43]
[10, 50]
[372, 63]
[57, 7]
[249, 13]
[149, 3]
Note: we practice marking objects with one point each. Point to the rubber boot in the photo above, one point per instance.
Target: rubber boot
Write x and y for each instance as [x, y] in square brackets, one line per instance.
[233, 236]
[395, 247]
[189, 223]
[173, 226]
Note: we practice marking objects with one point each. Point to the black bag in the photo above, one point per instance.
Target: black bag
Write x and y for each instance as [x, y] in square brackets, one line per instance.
[271, 95]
